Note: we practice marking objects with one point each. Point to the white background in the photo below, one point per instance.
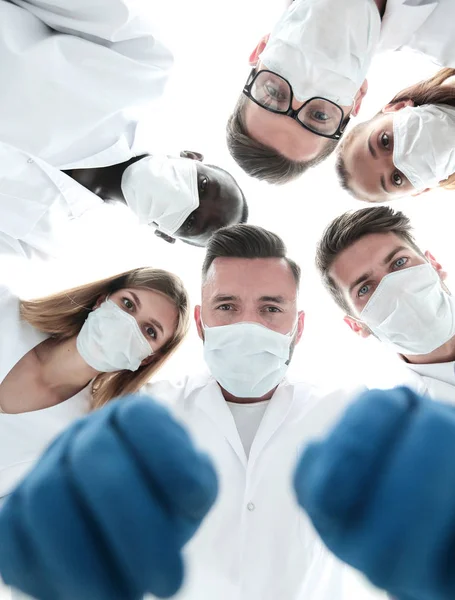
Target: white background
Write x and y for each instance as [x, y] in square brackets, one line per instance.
[212, 42]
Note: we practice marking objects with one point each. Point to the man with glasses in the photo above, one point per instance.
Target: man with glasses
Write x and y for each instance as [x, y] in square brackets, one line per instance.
[308, 77]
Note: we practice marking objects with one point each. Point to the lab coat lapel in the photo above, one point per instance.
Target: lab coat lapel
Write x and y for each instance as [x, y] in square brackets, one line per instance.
[401, 20]
[211, 401]
[274, 417]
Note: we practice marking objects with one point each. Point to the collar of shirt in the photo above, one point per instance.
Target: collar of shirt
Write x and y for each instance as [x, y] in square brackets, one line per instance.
[402, 18]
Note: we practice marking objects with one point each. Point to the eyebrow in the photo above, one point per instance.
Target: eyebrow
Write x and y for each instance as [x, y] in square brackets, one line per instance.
[386, 260]
[226, 298]
[370, 147]
[152, 321]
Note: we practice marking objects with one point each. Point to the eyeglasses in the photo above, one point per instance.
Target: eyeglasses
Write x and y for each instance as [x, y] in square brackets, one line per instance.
[274, 93]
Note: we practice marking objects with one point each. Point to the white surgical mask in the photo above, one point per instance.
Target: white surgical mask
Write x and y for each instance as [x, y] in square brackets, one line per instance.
[111, 340]
[424, 144]
[162, 191]
[247, 359]
[410, 311]
[324, 47]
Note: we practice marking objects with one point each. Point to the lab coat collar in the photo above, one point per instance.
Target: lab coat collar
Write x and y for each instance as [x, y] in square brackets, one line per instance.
[402, 18]
[212, 402]
[441, 371]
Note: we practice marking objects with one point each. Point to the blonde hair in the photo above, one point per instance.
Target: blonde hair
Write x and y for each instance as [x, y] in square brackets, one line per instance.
[62, 315]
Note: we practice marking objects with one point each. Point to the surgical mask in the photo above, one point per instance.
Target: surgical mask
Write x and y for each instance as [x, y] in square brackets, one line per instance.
[324, 47]
[110, 340]
[161, 191]
[424, 144]
[247, 359]
[410, 311]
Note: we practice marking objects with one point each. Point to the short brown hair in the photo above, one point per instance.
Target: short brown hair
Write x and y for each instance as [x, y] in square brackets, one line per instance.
[263, 162]
[247, 241]
[428, 91]
[350, 227]
[62, 315]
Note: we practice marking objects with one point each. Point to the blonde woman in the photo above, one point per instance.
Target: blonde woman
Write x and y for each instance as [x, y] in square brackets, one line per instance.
[74, 351]
[407, 148]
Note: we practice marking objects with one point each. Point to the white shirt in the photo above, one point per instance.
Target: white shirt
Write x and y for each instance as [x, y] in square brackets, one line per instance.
[247, 418]
[70, 99]
[256, 543]
[23, 437]
[423, 26]
[37, 204]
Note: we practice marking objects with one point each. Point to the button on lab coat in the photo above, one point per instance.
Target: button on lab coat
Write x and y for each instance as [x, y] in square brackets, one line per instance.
[37, 204]
[69, 95]
[424, 26]
[23, 437]
[256, 543]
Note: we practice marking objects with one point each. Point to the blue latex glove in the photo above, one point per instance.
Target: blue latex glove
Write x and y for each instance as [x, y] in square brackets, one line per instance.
[105, 512]
[380, 490]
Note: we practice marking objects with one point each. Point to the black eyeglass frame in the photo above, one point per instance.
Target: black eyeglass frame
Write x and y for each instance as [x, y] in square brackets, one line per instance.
[291, 112]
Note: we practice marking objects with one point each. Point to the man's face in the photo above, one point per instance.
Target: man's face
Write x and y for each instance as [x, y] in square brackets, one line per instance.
[359, 269]
[260, 290]
[283, 134]
[220, 204]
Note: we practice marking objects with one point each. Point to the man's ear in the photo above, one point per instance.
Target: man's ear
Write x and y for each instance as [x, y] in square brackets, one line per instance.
[192, 155]
[357, 326]
[300, 326]
[254, 56]
[165, 236]
[436, 265]
[359, 98]
[396, 106]
[198, 321]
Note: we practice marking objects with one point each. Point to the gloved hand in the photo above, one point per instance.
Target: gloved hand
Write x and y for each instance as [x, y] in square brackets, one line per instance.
[380, 490]
[106, 511]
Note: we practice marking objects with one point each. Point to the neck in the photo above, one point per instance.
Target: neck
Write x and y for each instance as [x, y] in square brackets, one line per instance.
[445, 353]
[381, 4]
[63, 368]
[105, 182]
[231, 398]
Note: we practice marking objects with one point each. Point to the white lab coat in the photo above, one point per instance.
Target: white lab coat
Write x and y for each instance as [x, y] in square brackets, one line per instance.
[256, 543]
[23, 437]
[423, 26]
[37, 205]
[70, 99]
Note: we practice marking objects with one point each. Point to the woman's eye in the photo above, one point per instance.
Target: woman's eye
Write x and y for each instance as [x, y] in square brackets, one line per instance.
[397, 179]
[385, 141]
[151, 332]
[363, 290]
[275, 93]
[400, 262]
[127, 303]
[203, 182]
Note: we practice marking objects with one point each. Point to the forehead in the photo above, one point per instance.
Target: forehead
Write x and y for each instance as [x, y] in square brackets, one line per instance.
[363, 256]
[250, 278]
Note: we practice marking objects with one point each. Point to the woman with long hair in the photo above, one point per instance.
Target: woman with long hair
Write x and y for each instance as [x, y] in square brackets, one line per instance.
[407, 148]
[66, 354]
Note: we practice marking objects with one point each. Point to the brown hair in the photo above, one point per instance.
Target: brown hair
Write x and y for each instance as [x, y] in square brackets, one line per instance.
[428, 91]
[247, 241]
[62, 315]
[350, 227]
[261, 161]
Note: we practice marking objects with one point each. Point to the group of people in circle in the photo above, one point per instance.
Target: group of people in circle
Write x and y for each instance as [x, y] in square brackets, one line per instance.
[126, 495]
